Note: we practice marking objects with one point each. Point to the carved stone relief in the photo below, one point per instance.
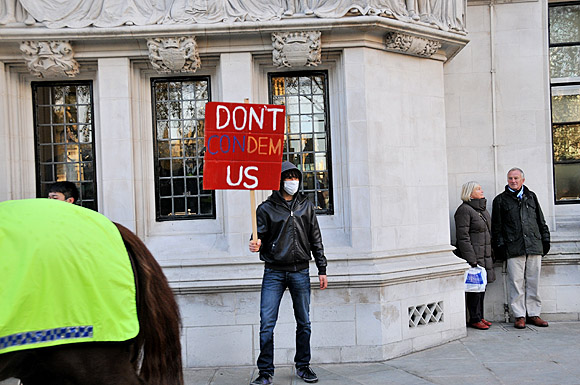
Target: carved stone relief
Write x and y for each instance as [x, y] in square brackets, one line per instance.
[296, 49]
[442, 14]
[411, 45]
[47, 59]
[174, 54]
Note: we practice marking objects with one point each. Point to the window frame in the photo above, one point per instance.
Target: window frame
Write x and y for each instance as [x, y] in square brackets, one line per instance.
[556, 84]
[156, 176]
[34, 89]
[327, 130]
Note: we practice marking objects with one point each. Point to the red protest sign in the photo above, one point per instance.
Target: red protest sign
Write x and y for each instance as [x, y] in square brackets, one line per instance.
[244, 144]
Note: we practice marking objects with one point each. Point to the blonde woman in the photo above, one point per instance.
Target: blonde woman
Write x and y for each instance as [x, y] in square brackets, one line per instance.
[472, 229]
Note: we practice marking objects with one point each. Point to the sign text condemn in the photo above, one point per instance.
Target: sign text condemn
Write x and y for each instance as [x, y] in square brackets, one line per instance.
[244, 145]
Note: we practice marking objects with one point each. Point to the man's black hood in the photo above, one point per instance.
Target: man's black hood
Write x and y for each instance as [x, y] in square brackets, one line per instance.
[286, 167]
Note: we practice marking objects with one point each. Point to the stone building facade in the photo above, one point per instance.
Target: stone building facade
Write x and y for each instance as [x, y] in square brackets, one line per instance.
[391, 107]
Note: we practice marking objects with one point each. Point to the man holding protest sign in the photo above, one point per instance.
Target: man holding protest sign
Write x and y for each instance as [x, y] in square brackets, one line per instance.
[288, 233]
[244, 145]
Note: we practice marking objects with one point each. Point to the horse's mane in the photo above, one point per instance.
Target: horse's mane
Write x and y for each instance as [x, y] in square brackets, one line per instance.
[158, 342]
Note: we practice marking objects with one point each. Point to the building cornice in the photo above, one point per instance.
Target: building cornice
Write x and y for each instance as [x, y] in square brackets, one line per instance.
[214, 38]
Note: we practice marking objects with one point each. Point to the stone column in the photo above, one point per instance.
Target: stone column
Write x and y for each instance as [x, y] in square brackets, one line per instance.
[5, 187]
[236, 74]
[397, 161]
[114, 135]
[357, 142]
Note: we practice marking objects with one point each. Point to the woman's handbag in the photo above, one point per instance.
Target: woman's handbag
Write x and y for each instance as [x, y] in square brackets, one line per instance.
[475, 279]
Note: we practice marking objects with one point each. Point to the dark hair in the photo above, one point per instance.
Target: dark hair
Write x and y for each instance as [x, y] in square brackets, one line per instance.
[292, 173]
[68, 189]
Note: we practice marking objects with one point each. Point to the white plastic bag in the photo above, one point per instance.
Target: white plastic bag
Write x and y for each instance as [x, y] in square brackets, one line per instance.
[475, 279]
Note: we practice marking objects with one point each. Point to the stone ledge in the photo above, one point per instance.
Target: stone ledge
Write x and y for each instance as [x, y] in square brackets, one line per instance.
[244, 276]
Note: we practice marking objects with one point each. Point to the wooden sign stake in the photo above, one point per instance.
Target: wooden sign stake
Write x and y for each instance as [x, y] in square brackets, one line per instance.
[253, 205]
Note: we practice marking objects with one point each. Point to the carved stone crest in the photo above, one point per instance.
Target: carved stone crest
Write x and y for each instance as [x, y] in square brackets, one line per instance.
[174, 54]
[296, 49]
[411, 45]
[47, 59]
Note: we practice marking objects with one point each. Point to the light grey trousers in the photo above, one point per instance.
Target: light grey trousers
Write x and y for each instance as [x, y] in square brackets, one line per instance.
[524, 284]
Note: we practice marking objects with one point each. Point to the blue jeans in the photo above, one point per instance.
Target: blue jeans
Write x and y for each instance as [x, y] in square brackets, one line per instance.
[274, 284]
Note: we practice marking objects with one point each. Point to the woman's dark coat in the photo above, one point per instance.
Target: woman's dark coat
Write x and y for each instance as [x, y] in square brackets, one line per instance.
[472, 225]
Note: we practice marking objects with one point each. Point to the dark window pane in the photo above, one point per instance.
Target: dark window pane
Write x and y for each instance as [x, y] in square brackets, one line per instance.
[191, 185]
[193, 205]
[179, 206]
[178, 186]
[86, 152]
[72, 134]
[44, 134]
[166, 207]
[308, 181]
[59, 153]
[206, 205]
[163, 149]
[178, 133]
[87, 172]
[58, 136]
[305, 96]
[165, 187]
[567, 177]
[164, 169]
[45, 154]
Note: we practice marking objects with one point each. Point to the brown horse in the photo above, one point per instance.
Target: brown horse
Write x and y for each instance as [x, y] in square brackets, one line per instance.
[153, 357]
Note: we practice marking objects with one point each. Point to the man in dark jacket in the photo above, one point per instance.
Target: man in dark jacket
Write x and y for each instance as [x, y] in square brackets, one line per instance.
[520, 235]
[288, 233]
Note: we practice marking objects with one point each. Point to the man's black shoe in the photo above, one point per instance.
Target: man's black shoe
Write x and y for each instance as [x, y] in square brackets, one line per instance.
[263, 379]
[307, 374]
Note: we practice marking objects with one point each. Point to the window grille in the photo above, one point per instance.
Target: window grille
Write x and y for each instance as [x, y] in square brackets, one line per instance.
[426, 314]
[307, 144]
[64, 137]
[179, 117]
[564, 22]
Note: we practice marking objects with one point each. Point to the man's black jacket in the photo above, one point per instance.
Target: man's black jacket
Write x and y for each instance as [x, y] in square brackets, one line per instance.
[517, 225]
[289, 232]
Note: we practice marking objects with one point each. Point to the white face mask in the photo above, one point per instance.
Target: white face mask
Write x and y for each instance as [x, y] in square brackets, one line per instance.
[291, 186]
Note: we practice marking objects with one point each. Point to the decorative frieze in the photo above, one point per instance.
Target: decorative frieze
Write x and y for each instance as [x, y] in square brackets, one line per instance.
[174, 54]
[411, 45]
[447, 15]
[47, 59]
[296, 49]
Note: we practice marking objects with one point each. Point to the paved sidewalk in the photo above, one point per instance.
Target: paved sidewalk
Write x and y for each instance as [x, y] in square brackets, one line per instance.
[501, 355]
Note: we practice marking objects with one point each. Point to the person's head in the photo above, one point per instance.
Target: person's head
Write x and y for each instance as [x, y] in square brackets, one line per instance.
[63, 191]
[290, 178]
[471, 190]
[515, 178]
